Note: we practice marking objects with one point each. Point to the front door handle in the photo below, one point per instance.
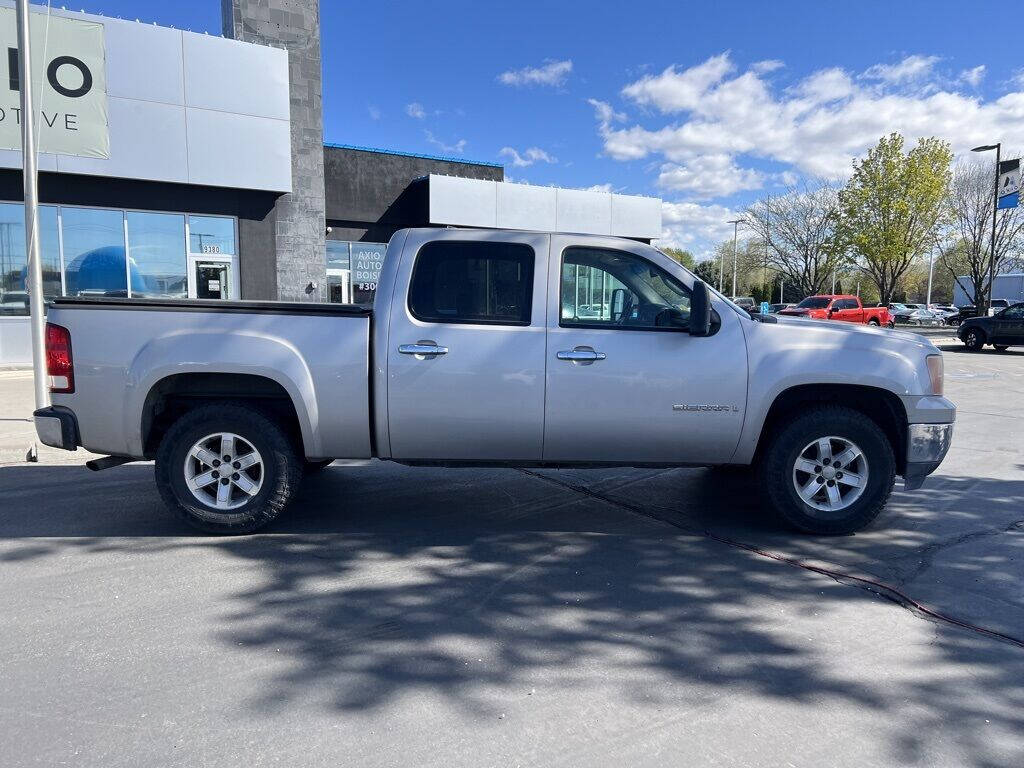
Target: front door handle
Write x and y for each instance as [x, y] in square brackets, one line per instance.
[422, 349]
[580, 355]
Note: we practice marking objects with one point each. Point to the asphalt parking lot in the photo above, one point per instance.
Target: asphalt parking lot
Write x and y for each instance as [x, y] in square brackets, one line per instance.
[429, 617]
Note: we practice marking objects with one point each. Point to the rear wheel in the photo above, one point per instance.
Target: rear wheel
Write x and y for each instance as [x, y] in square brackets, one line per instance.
[873, 322]
[974, 339]
[225, 468]
[830, 471]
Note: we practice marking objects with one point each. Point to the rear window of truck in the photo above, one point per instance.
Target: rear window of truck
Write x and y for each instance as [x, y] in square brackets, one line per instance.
[472, 282]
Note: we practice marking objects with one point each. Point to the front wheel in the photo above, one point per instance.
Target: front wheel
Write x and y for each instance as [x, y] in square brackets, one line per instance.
[829, 471]
[873, 322]
[226, 468]
[974, 340]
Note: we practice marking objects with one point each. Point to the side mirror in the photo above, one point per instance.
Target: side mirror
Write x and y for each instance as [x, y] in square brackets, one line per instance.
[700, 309]
[618, 304]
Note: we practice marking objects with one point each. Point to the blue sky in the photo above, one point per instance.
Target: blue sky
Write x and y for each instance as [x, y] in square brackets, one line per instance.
[708, 106]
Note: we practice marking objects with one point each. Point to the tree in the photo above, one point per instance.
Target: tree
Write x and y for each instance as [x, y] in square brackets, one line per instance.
[797, 231]
[707, 271]
[892, 207]
[681, 255]
[971, 197]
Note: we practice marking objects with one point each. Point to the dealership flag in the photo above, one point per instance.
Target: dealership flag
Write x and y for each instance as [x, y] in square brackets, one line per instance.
[1009, 183]
[69, 85]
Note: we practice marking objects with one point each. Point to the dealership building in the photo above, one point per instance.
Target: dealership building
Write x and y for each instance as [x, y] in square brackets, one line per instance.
[215, 180]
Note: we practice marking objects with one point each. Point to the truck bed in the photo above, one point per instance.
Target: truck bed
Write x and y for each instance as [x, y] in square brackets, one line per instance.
[124, 348]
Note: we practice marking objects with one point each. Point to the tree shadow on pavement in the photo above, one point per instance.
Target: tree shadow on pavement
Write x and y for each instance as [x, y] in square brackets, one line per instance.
[384, 580]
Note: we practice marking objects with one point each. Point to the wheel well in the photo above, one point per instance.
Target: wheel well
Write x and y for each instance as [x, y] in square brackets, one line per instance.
[879, 405]
[172, 397]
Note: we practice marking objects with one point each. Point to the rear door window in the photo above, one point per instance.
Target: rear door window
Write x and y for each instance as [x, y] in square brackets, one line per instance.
[472, 282]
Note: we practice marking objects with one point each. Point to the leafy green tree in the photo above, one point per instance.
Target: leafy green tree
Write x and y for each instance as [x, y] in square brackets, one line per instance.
[707, 271]
[893, 206]
[681, 255]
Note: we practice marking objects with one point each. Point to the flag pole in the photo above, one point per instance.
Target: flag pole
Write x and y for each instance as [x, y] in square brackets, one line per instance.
[30, 174]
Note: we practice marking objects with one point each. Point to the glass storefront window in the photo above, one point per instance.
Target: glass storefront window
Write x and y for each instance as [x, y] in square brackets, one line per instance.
[156, 247]
[353, 269]
[94, 257]
[13, 271]
[211, 235]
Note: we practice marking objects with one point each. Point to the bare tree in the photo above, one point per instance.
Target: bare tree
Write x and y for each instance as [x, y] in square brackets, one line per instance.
[971, 198]
[797, 231]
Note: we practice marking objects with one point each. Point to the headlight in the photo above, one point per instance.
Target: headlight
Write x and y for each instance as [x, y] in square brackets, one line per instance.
[935, 372]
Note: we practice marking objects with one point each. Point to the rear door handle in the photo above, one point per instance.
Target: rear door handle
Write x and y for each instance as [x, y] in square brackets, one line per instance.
[580, 355]
[422, 349]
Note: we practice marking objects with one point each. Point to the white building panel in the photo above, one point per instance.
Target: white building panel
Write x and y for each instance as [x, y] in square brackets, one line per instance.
[231, 76]
[463, 202]
[128, 44]
[634, 216]
[522, 206]
[158, 153]
[585, 212]
[229, 150]
[474, 203]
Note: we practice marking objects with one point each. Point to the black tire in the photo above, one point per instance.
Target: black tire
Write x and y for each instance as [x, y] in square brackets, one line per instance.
[281, 468]
[1001, 347]
[974, 339]
[874, 322]
[784, 448]
[312, 467]
[891, 324]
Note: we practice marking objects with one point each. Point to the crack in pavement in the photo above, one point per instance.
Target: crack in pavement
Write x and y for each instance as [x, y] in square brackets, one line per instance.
[928, 553]
[885, 591]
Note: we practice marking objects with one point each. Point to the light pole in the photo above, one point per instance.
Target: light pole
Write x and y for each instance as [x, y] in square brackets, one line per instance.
[995, 206]
[931, 268]
[735, 229]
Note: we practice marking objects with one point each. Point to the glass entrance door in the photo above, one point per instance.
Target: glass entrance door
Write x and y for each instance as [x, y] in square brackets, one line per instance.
[213, 280]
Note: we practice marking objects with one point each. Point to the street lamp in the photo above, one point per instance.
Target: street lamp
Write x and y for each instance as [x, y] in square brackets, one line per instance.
[995, 209]
[735, 228]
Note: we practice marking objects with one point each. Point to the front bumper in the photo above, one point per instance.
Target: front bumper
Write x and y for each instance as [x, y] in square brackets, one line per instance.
[57, 427]
[927, 445]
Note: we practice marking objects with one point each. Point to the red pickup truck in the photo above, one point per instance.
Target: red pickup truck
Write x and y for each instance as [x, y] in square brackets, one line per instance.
[842, 307]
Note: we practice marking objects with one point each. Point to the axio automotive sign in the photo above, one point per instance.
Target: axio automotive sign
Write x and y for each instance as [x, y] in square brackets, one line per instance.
[68, 83]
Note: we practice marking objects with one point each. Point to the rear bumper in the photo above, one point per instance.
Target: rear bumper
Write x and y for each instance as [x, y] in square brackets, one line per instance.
[927, 445]
[57, 427]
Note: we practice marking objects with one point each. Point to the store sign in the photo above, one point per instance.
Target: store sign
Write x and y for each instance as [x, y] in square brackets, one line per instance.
[367, 260]
[68, 85]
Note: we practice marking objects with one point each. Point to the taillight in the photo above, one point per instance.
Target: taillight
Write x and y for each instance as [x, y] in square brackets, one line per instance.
[59, 365]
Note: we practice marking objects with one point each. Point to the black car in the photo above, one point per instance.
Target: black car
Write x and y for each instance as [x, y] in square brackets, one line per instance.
[1002, 330]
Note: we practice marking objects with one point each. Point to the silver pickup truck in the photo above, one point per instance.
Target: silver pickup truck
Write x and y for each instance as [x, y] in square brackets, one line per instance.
[495, 348]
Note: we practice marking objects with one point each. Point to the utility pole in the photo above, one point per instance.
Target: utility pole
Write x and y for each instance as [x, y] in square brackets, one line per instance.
[998, 146]
[735, 228]
[931, 267]
[30, 177]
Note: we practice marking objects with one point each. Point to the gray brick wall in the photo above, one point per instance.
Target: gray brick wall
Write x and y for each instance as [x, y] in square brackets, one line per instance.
[299, 216]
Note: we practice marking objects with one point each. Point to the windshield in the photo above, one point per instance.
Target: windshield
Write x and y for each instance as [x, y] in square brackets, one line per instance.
[814, 302]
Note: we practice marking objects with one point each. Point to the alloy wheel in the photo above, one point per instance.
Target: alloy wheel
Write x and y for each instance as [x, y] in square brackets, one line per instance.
[830, 474]
[223, 470]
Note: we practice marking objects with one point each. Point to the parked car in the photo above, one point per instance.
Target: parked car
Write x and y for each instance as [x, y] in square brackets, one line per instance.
[840, 307]
[776, 308]
[947, 311]
[1002, 330]
[898, 312]
[964, 313]
[467, 358]
[746, 302]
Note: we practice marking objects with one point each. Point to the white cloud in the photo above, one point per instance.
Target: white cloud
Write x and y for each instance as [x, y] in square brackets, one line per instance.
[449, 149]
[973, 76]
[766, 66]
[674, 91]
[551, 72]
[604, 112]
[415, 110]
[709, 176]
[598, 188]
[911, 68]
[695, 227]
[528, 157]
[816, 126]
